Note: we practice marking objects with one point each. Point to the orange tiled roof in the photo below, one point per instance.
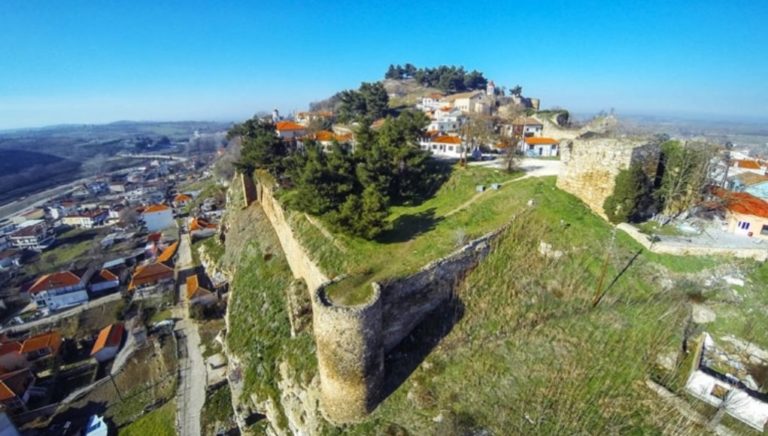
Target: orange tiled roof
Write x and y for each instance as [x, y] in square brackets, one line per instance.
[193, 287]
[200, 224]
[155, 208]
[39, 342]
[56, 280]
[182, 197]
[540, 141]
[743, 203]
[747, 164]
[168, 253]
[447, 140]
[109, 336]
[150, 273]
[288, 126]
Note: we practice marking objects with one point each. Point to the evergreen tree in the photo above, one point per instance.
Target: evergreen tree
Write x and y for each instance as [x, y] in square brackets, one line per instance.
[261, 147]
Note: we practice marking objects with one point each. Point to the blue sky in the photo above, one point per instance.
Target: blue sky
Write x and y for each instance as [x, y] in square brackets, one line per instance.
[91, 62]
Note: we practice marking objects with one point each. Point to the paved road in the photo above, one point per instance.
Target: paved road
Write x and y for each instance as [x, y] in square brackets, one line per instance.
[56, 317]
[191, 394]
[532, 167]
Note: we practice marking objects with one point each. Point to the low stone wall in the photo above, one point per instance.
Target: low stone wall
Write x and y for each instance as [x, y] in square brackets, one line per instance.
[661, 247]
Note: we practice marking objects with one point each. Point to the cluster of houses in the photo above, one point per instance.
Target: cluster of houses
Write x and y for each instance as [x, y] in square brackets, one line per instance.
[446, 135]
[26, 361]
[746, 196]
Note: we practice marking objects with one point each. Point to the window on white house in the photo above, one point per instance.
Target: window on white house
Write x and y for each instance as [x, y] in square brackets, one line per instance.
[764, 230]
[744, 225]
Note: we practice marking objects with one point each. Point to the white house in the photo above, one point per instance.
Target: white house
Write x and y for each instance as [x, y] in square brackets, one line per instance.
[444, 146]
[108, 342]
[157, 217]
[430, 102]
[289, 130]
[10, 259]
[59, 290]
[536, 146]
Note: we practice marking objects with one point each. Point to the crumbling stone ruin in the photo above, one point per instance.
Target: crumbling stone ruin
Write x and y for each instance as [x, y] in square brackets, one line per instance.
[590, 166]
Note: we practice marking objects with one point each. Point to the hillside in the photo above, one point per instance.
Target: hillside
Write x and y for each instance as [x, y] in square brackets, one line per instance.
[21, 170]
[521, 349]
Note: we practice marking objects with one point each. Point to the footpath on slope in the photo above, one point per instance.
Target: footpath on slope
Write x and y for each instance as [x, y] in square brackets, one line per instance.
[191, 391]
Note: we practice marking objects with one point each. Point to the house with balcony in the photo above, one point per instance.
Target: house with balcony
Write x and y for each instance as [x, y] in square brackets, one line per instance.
[36, 235]
[86, 219]
[60, 290]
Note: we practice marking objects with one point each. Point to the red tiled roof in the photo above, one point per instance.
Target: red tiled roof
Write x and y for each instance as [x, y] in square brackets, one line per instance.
[150, 273]
[39, 342]
[182, 197]
[193, 287]
[56, 280]
[447, 140]
[10, 347]
[540, 141]
[743, 203]
[199, 224]
[109, 336]
[284, 126]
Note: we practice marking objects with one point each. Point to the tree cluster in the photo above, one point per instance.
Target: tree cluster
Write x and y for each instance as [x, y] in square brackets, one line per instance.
[680, 183]
[368, 103]
[351, 188]
[446, 78]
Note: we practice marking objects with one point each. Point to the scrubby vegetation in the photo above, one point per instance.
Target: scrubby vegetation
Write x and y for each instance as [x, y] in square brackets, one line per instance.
[160, 422]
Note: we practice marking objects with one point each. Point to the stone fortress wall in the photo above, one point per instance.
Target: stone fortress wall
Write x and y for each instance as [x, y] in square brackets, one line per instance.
[590, 166]
[352, 341]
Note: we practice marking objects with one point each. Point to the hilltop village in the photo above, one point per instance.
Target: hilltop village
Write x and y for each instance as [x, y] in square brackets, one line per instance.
[433, 253]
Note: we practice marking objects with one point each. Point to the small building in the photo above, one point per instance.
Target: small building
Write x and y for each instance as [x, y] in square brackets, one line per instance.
[198, 295]
[444, 146]
[524, 127]
[59, 290]
[36, 236]
[751, 183]
[537, 146]
[746, 214]
[16, 389]
[152, 274]
[87, 219]
[108, 342]
[96, 426]
[103, 280]
[289, 130]
[42, 346]
[201, 228]
[474, 102]
[181, 200]
[157, 217]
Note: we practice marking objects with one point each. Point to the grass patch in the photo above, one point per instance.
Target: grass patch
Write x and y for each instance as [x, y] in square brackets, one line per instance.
[159, 422]
[420, 233]
[161, 315]
[208, 330]
[217, 410]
